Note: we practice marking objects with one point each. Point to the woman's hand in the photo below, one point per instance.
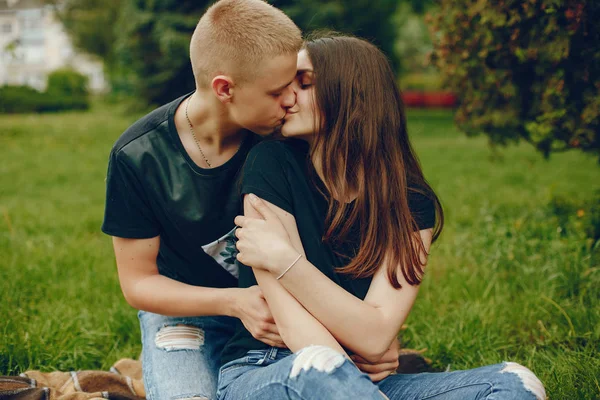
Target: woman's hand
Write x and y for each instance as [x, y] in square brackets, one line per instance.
[387, 365]
[263, 243]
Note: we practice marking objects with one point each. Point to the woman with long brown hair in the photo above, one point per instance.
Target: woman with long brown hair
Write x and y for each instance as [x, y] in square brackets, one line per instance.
[338, 242]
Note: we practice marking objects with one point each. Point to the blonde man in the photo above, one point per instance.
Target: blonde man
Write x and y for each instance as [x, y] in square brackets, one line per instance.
[172, 197]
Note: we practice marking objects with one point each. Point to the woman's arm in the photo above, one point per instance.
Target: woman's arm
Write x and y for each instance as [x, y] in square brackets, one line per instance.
[366, 327]
[297, 327]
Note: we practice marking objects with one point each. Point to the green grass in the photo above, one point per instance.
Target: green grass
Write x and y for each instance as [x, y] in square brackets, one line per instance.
[513, 277]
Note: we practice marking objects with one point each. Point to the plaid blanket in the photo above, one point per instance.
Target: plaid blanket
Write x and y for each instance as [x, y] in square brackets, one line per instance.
[122, 382]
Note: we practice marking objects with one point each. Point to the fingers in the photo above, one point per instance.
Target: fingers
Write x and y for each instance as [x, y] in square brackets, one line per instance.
[240, 220]
[271, 339]
[377, 368]
[390, 356]
[271, 321]
[380, 376]
[267, 326]
[358, 359]
[262, 208]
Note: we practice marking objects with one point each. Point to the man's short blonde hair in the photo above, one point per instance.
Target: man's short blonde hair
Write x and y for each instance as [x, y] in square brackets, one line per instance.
[234, 36]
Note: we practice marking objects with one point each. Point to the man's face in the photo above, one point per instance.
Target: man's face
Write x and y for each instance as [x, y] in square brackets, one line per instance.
[261, 105]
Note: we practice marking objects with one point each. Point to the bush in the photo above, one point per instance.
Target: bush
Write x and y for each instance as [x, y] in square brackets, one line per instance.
[67, 90]
[15, 99]
[524, 69]
[66, 82]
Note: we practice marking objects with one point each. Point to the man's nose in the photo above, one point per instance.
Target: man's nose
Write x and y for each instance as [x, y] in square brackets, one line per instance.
[289, 97]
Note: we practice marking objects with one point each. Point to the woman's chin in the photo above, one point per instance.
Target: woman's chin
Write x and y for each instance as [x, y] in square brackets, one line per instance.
[289, 131]
[286, 131]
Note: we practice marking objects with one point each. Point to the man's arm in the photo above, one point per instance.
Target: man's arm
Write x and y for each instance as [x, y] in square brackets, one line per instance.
[145, 289]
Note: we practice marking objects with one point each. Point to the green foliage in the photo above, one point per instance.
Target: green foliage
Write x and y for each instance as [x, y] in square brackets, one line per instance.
[421, 81]
[152, 44]
[524, 69]
[89, 24]
[67, 82]
[153, 47]
[144, 43]
[362, 18]
[66, 90]
[15, 99]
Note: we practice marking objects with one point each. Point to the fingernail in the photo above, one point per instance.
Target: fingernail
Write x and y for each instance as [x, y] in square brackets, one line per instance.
[253, 198]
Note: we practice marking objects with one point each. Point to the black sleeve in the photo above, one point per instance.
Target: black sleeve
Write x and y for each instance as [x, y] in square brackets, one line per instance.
[265, 174]
[127, 212]
[422, 208]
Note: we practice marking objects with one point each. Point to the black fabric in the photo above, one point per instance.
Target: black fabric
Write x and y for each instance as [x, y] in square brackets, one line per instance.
[154, 189]
[278, 171]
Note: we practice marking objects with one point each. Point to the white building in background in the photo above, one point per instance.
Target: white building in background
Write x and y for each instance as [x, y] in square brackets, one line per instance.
[34, 43]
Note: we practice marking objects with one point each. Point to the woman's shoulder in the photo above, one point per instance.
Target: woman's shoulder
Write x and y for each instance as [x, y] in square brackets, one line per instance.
[421, 202]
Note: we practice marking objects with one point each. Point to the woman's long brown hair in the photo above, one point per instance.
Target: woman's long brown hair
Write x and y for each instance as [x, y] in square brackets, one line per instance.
[362, 148]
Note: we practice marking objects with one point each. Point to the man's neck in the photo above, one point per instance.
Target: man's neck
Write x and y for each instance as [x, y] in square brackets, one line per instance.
[210, 122]
[212, 136]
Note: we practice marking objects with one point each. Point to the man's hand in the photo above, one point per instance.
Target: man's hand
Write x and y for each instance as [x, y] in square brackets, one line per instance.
[384, 367]
[252, 309]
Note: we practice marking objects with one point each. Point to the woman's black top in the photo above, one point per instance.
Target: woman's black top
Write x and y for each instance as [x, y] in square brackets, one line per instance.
[279, 172]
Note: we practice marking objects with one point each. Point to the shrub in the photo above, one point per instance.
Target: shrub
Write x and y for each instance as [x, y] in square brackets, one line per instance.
[66, 82]
[524, 69]
[15, 99]
[66, 90]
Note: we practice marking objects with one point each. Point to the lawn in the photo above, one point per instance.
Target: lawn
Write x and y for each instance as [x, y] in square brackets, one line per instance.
[515, 275]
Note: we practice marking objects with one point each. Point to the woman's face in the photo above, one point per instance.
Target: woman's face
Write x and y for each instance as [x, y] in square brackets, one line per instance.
[302, 119]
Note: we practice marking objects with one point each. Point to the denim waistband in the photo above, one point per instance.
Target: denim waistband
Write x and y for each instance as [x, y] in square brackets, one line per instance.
[271, 354]
[276, 353]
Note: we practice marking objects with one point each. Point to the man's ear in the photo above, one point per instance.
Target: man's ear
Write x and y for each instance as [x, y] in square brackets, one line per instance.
[223, 88]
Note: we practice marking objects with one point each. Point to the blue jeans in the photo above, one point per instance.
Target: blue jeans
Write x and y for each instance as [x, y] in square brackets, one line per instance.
[277, 374]
[181, 355]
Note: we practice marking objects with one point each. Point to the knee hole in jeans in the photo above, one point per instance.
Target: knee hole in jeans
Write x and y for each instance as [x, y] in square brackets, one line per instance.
[179, 337]
[321, 358]
[528, 378]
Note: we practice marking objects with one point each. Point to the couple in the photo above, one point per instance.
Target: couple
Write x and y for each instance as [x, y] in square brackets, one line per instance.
[337, 238]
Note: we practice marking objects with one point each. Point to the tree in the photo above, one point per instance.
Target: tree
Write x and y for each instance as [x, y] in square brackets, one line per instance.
[523, 69]
[363, 18]
[153, 37]
[153, 47]
[144, 43]
[90, 25]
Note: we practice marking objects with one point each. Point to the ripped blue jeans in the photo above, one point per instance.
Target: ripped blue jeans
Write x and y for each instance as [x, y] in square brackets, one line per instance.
[181, 355]
[318, 372]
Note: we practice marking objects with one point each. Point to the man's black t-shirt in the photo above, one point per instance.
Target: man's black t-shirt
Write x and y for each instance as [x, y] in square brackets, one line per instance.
[154, 188]
[278, 171]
